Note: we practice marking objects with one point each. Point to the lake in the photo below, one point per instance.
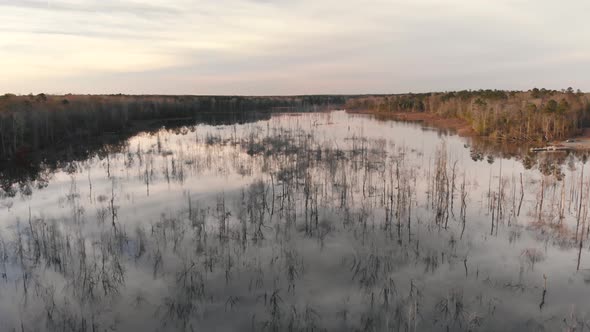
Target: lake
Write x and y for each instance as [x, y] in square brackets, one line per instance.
[298, 222]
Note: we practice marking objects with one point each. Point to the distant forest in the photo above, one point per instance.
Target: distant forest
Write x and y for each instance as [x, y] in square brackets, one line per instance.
[535, 115]
[30, 123]
[33, 122]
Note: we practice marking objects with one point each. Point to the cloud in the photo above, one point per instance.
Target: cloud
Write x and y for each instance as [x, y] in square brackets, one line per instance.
[302, 46]
[103, 6]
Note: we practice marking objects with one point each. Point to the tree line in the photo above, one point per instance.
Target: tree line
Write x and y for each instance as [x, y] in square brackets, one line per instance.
[534, 115]
[32, 122]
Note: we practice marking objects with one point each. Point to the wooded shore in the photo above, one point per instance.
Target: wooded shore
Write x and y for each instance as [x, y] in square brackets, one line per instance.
[537, 115]
[35, 122]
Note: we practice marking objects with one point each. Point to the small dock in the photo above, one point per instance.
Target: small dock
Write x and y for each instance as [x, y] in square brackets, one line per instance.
[551, 148]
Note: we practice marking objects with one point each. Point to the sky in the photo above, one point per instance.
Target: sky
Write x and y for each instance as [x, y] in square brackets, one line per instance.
[286, 47]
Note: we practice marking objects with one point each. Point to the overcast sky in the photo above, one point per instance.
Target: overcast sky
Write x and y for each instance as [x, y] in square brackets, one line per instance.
[266, 47]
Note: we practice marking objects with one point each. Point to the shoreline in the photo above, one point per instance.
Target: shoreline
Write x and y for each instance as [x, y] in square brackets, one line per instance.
[580, 142]
[459, 126]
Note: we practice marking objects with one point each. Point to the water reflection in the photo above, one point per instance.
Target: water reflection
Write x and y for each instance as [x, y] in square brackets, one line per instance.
[297, 222]
[487, 149]
[36, 169]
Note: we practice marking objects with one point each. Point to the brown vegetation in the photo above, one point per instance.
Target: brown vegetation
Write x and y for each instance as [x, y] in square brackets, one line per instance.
[535, 115]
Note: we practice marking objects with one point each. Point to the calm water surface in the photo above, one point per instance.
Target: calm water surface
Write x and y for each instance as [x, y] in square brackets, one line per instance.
[301, 222]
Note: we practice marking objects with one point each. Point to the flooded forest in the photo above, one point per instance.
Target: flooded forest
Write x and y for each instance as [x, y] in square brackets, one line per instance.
[314, 221]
